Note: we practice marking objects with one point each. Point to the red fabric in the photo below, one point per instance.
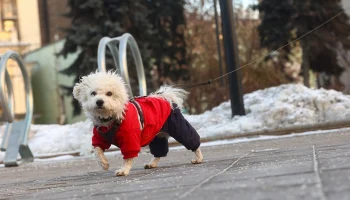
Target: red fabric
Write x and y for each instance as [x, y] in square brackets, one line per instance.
[129, 137]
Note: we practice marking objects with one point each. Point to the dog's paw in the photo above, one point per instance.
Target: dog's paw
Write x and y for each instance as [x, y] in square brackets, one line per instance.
[151, 166]
[103, 163]
[122, 172]
[101, 158]
[196, 161]
[153, 163]
[198, 157]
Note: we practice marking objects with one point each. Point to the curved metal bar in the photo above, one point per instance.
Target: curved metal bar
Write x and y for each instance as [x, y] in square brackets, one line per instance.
[101, 53]
[115, 53]
[10, 105]
[120, 55]
[127, 39]
[16, 133]
[6, 99]
[10, 98]
[28, 90]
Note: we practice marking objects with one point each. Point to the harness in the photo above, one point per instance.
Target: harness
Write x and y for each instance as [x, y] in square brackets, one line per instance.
[139, 111]
[109, 134]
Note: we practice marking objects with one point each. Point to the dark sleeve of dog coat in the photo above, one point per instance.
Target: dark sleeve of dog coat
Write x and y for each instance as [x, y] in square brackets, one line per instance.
[99, 141]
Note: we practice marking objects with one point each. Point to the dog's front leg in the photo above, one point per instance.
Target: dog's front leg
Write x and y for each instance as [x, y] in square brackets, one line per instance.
[101, 158]
[124, 171]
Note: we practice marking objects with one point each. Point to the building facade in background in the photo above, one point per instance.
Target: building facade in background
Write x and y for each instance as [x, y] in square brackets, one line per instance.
[25, 26]
[51, 20]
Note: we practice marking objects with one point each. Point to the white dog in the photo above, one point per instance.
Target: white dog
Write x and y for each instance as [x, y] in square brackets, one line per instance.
[132, 124]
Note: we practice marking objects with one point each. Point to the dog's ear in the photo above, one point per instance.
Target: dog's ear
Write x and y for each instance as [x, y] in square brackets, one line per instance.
[78, 91]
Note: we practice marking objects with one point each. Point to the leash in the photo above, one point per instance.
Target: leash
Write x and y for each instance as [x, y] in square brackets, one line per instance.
[210, 81]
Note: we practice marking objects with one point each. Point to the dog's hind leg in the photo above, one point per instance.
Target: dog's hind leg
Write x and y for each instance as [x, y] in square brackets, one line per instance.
[198, 157]
[184, 133]
[159, 148]
[153, 163]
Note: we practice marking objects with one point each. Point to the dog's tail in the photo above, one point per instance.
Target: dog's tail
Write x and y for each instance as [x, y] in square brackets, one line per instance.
[172, 95]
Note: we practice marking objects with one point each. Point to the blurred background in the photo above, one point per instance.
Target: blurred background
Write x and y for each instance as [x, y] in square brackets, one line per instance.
[181, 42]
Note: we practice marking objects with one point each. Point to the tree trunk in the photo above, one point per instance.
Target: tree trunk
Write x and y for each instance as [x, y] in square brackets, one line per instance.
[319, 79]
[305, 63]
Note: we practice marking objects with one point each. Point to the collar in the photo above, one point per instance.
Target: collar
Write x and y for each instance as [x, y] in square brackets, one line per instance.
[109, 132]
[107, 122]
[106, 128]
[104, 120]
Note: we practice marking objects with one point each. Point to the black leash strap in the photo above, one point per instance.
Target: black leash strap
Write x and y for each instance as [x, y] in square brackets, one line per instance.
[139, 110]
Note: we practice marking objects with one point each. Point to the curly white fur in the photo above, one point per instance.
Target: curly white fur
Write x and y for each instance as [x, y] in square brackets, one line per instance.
[95, 87]
[172, 95]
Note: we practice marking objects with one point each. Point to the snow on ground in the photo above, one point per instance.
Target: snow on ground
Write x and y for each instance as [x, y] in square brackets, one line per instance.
[46, 140]
[272, 108]
[275, 107]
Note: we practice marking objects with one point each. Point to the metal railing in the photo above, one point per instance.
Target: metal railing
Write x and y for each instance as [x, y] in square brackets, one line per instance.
[120, 59]
[15, 138]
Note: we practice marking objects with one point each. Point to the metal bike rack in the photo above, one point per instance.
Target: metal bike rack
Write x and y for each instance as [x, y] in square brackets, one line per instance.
[120, 59]
[15, 138]
[6, 99]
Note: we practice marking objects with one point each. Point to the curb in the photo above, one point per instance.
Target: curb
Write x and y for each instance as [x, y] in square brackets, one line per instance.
[281, 131]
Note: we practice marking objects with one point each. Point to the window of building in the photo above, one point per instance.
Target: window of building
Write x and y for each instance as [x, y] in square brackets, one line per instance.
[8, 16]
[9, 10]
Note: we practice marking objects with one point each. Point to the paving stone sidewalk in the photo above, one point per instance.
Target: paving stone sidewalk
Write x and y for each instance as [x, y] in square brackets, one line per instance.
[304, 167]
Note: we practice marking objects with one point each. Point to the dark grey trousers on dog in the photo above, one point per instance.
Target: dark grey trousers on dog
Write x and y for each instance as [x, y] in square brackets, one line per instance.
[178, 128]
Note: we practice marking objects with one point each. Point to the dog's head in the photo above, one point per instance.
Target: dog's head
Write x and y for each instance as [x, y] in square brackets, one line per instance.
[102, 95]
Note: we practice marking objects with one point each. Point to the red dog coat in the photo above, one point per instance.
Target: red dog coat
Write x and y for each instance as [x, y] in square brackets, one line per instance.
[129, 137]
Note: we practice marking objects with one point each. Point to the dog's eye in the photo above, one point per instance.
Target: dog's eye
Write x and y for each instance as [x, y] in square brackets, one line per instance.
[93, 93]
[109, 94]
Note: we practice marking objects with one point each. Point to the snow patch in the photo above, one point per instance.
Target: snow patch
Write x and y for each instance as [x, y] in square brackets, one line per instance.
[276, 107]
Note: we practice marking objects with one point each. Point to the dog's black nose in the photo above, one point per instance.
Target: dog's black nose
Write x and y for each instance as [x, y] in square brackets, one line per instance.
[99, 103]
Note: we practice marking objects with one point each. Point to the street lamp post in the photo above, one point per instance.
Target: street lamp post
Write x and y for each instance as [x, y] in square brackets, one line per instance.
[231, 57]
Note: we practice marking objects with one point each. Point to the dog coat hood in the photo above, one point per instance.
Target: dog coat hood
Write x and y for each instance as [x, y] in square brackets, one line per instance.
[129, 137]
